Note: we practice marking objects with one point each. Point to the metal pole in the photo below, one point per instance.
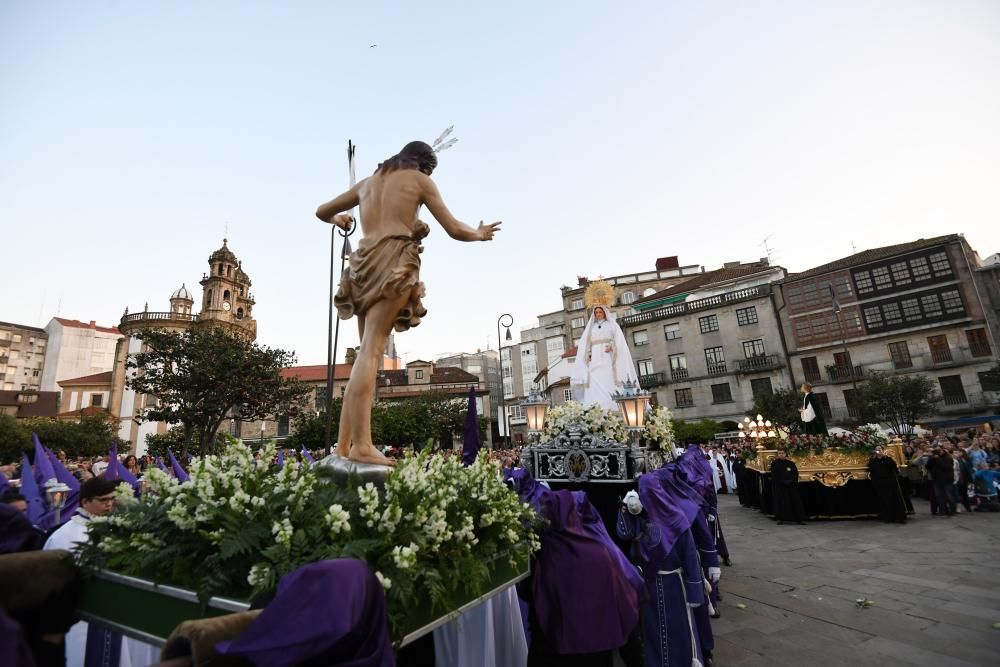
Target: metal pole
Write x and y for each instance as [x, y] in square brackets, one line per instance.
[333, 324]
[503, 408]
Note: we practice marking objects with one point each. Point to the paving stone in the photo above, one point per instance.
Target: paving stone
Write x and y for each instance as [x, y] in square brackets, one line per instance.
[912, 654]
[926, 578]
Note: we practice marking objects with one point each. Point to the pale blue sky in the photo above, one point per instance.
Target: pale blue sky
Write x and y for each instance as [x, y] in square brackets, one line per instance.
[603, 136]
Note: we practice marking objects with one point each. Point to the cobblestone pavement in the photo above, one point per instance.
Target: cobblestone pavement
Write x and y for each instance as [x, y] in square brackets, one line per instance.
[933, 584]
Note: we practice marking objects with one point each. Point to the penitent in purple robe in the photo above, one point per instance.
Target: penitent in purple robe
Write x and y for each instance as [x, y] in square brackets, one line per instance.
[665, 549]
[674, 583]
[327, 613]
[581, 598]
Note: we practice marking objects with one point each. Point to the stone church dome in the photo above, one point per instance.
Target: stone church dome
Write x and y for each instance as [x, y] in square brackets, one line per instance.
[182, 293]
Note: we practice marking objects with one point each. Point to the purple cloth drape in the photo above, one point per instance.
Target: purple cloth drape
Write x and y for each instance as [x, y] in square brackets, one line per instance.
[179, 472]
[470, 440]
[332, 612]
[583, 601]
[31, 493]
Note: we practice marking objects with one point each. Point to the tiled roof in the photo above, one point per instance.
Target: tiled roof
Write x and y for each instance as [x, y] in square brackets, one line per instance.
[707, 279]
[561, 382]
[457, 391]
[89, 411]
[396, 378]
[316, 373]
[96, 378]
[452, 375]
[77, 324]
[571, 352]
[872, 255]
[21, 326]
[46, 405]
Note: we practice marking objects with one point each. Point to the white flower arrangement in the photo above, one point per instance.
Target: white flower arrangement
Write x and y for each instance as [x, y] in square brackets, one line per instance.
[238, 525]
[605, 423]
[659, 428]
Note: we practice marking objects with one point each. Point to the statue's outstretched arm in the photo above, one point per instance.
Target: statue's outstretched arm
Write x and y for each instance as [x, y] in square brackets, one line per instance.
[455, 228]
[339, 204]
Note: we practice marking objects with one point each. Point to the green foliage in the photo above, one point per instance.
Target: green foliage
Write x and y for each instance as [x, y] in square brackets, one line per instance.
[309, 429]
[899, 400]
[202, 375]
[14, 439]
[411, 422]
[781, 407]
[173, 439]
[90, 436]
[238, 526]
[695, 432]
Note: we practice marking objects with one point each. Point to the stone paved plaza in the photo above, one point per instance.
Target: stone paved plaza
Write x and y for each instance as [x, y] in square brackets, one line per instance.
[933, 581]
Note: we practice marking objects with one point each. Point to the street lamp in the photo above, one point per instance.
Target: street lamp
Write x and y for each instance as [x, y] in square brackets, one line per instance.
[55, 493]
[503, 407]
[632, 403]
[535, 406]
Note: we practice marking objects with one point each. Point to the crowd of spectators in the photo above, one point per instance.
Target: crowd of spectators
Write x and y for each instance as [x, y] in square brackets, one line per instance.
[955, 473]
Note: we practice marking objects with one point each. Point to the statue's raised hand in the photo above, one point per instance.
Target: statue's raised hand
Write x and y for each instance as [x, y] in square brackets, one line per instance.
[486, 232]
[343, 220]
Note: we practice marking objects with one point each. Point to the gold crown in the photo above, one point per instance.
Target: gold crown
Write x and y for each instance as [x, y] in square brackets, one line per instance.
[599, 293]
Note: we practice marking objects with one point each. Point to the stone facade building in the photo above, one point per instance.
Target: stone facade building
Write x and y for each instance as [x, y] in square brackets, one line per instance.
[919, 307]
[706, 347]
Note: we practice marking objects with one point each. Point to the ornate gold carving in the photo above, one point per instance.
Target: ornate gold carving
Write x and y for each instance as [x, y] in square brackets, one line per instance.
[833, 478]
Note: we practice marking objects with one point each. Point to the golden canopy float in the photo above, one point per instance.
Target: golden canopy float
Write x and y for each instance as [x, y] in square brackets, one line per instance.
[834, 479]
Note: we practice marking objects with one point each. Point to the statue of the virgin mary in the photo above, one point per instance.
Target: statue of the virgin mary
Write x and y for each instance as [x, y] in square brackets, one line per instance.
[603, 361]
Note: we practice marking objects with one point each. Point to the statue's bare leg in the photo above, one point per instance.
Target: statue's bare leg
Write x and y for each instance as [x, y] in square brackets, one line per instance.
[344, 430]
[361, 389]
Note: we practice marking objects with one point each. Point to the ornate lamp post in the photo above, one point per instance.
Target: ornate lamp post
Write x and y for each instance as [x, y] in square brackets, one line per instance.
[503, 408]
[535, 407]
[757, 430]
[633, 402]
[55, 493]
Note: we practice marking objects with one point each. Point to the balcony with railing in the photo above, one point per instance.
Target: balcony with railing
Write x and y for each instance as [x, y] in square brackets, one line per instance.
[717, 369]
[651, 380]
[958, 403]
[845, 373]
[747, 294]
[678, 374]
[764, 362]
[147, 318]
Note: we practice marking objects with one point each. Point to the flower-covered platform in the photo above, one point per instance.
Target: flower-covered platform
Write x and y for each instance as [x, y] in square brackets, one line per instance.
[440, 538]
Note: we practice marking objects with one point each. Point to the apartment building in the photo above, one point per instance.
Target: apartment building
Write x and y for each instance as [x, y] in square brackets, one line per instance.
[22, 357]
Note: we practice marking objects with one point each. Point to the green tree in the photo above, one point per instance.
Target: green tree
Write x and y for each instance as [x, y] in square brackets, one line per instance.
[695, 432]
[90, 436]
[898, 400]
[309, 428]
[202, 375]
[781, 407]
[14, 439]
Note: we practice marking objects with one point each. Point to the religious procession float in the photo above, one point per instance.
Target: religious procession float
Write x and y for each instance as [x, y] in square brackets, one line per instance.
[834, 478]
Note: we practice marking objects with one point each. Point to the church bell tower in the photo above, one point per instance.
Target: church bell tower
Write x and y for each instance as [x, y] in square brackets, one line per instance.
[226, 297]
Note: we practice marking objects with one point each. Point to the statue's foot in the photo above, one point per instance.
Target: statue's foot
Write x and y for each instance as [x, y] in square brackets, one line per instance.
[344, 451]
[370, 455]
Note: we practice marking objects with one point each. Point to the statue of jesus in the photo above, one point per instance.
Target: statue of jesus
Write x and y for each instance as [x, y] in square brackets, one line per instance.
[381, 285]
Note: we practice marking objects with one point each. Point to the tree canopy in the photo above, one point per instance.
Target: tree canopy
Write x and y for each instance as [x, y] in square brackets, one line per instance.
[201, 376]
